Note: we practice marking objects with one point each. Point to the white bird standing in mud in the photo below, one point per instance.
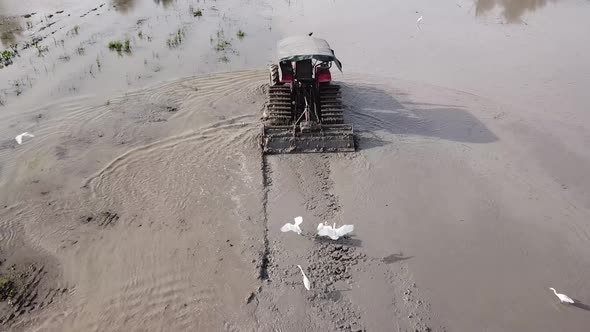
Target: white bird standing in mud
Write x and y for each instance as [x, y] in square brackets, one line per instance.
[562, 297]
[293, 227]
[306, 282]
[334, 233]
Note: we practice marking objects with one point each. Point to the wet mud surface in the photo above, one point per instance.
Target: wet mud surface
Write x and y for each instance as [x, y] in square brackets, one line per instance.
[208, 237]
[199, 245]
[26, 288]
[144, 203]
[174, 257]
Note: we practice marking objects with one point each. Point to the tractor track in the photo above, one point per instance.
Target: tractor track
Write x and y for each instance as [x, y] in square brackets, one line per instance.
[266, 183]
[331, 104]
[328, 263]
[279, 108]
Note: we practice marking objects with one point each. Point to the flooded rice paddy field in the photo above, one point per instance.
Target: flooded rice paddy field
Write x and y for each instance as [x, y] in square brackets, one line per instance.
[143, 201]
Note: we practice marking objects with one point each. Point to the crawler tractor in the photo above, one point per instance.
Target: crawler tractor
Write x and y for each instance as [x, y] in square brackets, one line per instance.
[304, 112]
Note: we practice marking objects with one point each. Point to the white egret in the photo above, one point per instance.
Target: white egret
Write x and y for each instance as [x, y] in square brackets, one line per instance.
[293, 227]
[306, 282]
[19, 138]
[562, 297]
[334, 233]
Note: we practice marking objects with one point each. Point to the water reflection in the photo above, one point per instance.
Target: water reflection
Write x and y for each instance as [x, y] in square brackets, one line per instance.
[165, 3]
[123, 5]
[512, 10]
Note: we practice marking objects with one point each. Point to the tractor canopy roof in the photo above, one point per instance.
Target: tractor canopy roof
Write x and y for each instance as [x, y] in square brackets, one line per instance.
[298, 48]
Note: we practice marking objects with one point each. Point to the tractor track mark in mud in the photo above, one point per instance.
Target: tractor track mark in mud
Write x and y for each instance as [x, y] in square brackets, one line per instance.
[328, 263]
[318, 195]
[331, 263]
[266, 183]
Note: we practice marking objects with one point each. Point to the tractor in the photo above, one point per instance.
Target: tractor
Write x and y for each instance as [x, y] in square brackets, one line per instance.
[304, 111]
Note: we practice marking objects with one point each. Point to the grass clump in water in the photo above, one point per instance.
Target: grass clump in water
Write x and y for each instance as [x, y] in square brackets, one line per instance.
[7, 288]
[176, 39]
[74, 31]
[116, 46]
[223, 45]
[119, 46]
[41, 50]
[241, 34]
[198, 12]
[6, 57]
[220, 44]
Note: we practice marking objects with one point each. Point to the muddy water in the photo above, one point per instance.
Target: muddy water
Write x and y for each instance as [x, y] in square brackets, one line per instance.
[189, 259]
[144, 198]
[464, 204]
[527, 55]
[512, 11]
[482, 47]
[66, 54]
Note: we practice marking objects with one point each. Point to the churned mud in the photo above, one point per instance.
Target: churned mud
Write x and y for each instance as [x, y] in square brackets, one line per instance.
[206, 251]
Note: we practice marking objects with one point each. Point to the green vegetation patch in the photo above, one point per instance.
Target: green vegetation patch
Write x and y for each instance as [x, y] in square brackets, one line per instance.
[119, 46]
[6, 57]
[198, 12]
[176, 39]
[8, 289]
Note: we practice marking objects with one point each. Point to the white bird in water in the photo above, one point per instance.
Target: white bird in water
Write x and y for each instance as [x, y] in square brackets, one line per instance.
[19, 138]
[305, 280]
[562, 297]
[334, 233]
[293, 227]
[418, 21]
